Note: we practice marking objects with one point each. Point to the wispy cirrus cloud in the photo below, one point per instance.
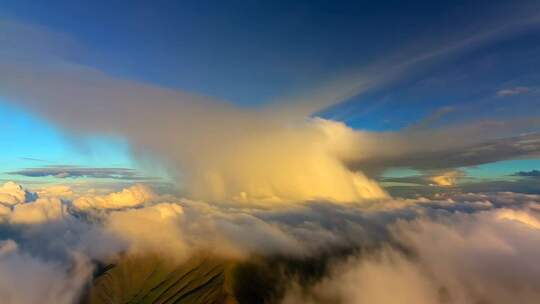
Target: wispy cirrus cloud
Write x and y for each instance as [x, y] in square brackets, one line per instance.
[33, 159]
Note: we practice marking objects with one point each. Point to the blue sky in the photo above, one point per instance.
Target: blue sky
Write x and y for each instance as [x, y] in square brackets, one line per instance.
[251, 53]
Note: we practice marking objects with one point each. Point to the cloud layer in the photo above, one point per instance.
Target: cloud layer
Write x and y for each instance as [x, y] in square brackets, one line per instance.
[458, 258]
[451, 248]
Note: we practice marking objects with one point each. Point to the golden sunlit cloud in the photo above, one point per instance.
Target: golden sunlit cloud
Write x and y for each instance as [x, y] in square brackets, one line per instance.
[447, 178]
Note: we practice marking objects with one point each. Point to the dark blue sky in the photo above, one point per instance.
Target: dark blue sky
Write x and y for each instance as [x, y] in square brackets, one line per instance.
[251, 51]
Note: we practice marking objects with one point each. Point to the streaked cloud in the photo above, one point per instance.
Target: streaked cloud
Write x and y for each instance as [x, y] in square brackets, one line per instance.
[81, 172]
[35, 159]
[532, 173]
[513, 91]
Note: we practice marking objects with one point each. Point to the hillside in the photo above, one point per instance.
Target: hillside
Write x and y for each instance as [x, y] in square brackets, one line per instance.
[151, 279]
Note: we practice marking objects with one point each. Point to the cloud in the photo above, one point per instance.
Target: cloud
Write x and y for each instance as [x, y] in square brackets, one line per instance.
[233, 154]
[277, 153]
[130, 197]
[24, 207]
[397, 236]
[532, 173]
[25, 279]
[33, 159]
[76, 172]
[513, 91]
[519, 216]
[268, 181]
[57, 191]
[12, 193]
[447, 178]
[151, 229]
[457, 258]
[219, 151]
[38, 211]
[486, 142]
[369, 280]
[7, 247]
[436, 178]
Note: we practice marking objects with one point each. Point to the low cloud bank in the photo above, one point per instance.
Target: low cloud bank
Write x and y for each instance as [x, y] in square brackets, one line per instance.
[26, 279]
[450, 248]
[485, 257]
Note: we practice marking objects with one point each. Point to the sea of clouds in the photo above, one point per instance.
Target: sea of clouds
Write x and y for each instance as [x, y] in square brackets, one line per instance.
[451, 248]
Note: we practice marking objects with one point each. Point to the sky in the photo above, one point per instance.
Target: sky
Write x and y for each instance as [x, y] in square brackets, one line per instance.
[382, 67]
[355, 146]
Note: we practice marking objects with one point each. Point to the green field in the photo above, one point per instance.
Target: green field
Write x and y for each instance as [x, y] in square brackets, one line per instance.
[150, 279]
[202, 279]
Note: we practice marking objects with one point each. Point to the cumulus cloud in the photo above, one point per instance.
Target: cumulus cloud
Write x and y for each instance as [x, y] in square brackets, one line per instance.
[130, 197]
[24, 207]
[57, 191]
[12, 193]
[38, 211]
